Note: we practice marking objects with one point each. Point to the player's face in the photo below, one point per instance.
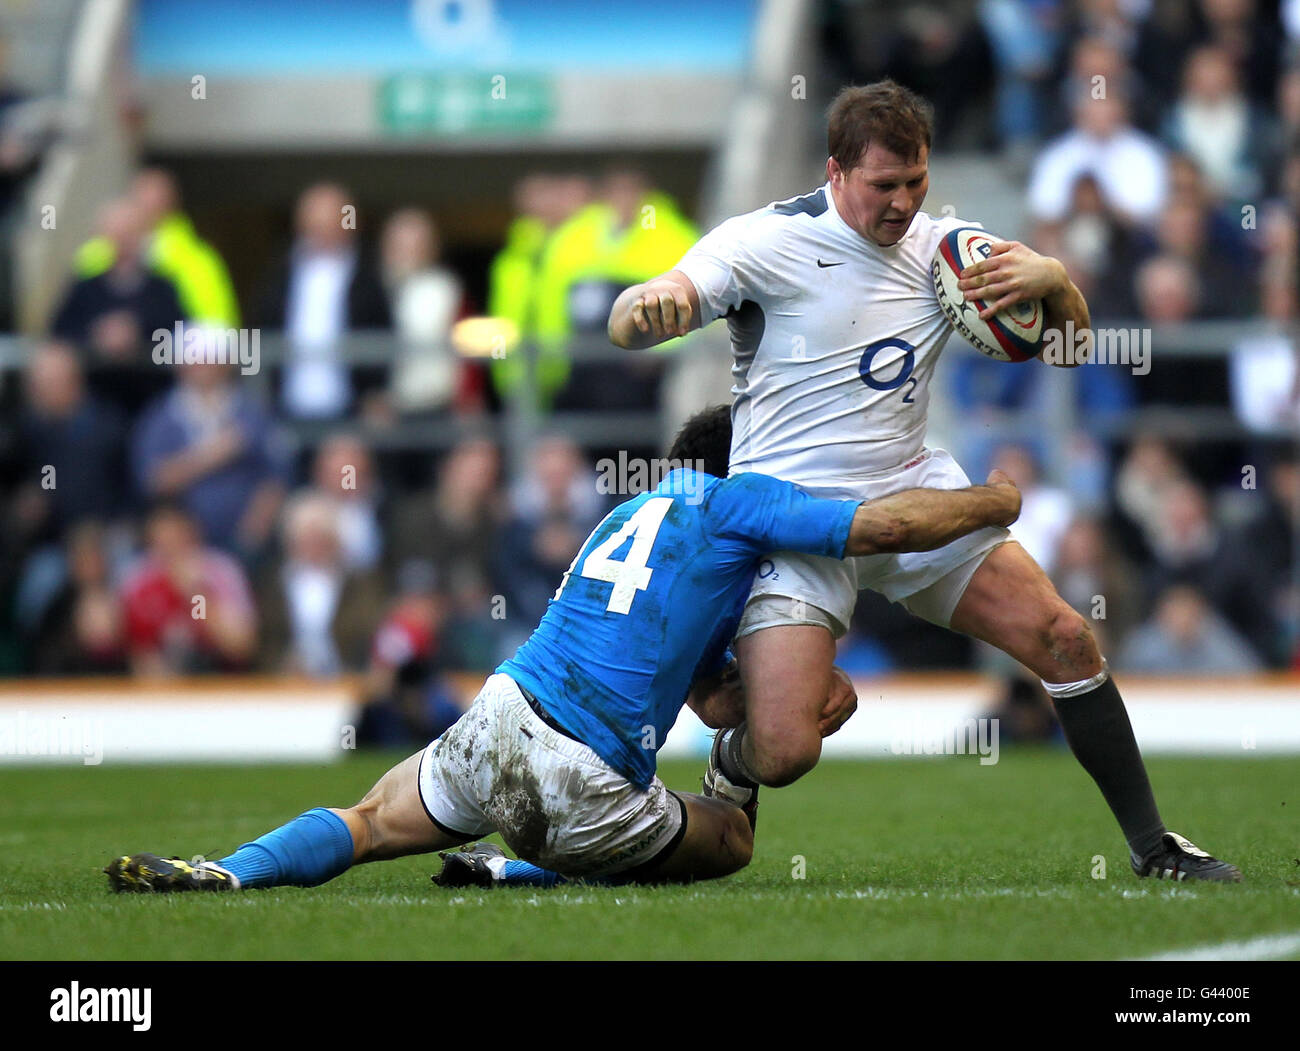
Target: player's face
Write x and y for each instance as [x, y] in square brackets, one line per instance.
[881, 195]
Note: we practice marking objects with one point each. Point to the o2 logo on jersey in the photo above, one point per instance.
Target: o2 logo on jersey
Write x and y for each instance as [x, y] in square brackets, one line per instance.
[884, 346]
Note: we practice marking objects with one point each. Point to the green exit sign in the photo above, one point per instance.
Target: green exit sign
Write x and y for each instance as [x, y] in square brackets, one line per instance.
[465, 103]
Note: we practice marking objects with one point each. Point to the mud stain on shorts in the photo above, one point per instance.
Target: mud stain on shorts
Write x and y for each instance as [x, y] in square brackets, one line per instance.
[516, 808]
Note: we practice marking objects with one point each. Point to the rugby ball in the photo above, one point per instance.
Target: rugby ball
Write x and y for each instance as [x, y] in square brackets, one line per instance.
[1014, 334]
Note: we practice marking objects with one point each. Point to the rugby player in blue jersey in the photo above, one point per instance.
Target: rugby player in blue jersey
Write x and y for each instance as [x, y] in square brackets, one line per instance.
[557, 752]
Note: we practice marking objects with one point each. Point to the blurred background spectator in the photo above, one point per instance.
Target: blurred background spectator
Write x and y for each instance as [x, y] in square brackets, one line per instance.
[72, 457]
[82, 629]
[112, 315]
[1252, 577]
[325, 287]
[628, 233]
[343, 473]
[1093, 576]
[406, 697]
[1149, 472]
[1186, 637]
[1182, 232]
[440, 482]
[542, 205]
[453, 527]
[210, 445]
[319, 613]
[1045, 511]
[552, 509]
[72, 449]
[1127, 165]
[1264, 368]
[426, 299]
[1215, 124]
[188, 608]
[173, 250]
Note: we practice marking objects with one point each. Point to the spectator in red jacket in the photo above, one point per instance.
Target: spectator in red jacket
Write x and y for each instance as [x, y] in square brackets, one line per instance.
[188, 607]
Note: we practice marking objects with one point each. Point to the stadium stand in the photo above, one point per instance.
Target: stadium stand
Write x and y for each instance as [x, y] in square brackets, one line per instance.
[378, 503]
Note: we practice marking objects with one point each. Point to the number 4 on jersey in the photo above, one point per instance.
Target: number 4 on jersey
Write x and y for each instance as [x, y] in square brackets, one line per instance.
[631, 574]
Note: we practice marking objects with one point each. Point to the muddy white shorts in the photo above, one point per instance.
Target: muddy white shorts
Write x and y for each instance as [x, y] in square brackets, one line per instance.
[556, 803]
[791, 588]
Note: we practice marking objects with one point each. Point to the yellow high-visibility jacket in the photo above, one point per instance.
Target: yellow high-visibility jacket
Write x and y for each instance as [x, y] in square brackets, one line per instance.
[585, 247]
[176, 252]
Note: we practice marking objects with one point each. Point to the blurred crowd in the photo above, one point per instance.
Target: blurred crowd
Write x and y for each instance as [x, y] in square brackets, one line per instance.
[1158, 144]
[182, 519]
[174, 518]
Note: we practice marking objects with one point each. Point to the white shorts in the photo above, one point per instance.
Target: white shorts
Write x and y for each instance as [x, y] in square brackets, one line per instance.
[791, 588]
[556, 803]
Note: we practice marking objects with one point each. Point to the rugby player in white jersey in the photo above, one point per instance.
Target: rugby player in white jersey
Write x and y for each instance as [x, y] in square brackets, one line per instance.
[836, 331]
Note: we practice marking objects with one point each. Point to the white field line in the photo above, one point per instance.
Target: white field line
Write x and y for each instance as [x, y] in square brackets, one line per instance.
[576, 894]
[1267, 947]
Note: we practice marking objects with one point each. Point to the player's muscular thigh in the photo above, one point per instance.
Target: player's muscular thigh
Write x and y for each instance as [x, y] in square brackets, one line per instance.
[786, 672]
[1011, 604]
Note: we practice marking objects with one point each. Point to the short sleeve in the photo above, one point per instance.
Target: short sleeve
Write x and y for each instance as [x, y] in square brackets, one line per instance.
[767, 514]
[738, 260]
[710, 264]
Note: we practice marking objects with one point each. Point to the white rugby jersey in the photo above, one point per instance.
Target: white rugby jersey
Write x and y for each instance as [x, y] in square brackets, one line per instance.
[834, 338]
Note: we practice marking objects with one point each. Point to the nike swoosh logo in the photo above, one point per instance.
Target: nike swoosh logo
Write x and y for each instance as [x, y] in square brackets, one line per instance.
[825, 265]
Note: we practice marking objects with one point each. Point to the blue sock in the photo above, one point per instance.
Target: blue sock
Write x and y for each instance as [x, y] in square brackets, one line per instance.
[522, 874]
[311, 849]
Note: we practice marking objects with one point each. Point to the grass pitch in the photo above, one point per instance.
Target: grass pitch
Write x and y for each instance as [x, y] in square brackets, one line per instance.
[932, 859]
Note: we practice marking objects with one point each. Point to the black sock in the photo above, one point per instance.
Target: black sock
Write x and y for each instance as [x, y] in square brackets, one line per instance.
[730, 760]
[1100, 735]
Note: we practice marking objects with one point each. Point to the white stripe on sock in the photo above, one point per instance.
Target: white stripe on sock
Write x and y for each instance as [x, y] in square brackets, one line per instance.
[1058, 690]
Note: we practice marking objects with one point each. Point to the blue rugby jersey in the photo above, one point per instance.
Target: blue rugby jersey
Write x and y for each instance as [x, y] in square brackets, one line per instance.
[653, 599]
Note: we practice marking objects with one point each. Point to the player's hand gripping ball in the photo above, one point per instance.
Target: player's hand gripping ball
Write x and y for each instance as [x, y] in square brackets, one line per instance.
[1013, 334]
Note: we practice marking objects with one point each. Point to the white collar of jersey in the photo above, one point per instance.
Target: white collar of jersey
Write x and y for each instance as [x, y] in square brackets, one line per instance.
[870, 244]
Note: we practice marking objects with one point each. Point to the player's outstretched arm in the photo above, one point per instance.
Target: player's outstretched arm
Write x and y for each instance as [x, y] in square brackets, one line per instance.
[924, 519]
[659, 309]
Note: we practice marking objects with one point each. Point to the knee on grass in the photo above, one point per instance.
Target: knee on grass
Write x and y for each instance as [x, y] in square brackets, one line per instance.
[737, 843]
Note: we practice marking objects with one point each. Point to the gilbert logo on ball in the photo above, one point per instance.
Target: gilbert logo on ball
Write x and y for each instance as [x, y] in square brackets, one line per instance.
[1014, 334]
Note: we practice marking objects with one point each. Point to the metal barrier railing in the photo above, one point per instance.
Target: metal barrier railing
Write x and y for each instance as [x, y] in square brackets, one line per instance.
[1052, 422]
[522, 420]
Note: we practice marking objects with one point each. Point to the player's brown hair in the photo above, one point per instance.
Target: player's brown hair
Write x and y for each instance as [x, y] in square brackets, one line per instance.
[884, 112]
